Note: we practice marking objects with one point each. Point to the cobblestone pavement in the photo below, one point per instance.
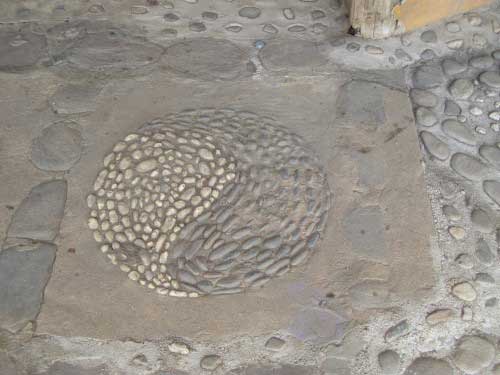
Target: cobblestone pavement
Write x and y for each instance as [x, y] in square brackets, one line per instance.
[243, 188]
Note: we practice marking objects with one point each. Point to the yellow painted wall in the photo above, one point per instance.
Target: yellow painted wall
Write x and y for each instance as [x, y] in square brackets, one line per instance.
[413, 14]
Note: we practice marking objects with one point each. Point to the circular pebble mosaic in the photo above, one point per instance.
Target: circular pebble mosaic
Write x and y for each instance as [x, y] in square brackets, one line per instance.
[209, 202]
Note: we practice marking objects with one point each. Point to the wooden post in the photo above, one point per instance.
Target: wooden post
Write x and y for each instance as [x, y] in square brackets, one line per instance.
[372, 19]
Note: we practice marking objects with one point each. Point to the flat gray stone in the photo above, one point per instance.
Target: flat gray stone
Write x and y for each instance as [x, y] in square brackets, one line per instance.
[481, 62]
[389, 362]
[440, 316]
[492, 189]
[473, 354]
[62, 368]
[428, 77]
[39, 215]
[425, 116]
[481, 221]
[364, 228]
[484, 278]
[429, 366]
[491, 79]
[249, 12]
[458, 131]
[428, 54]
[484, 254]
[23, 276]
[468, 166]
[284, 55]
[207, 59]
[75, 98]
[274, 343]
[401, 54]
[451, 108]
[491, 154]
[451, 213]
[424, 98]
[20, 48]
[211, 362]
[197, 27]
[58, 148]
[452, 67]
[112, 52]
[318, 326]
[435, 146]
[453, 27]
[461, 88]
[464, 291]
[428, 36]
[360, 104]
[397, 330]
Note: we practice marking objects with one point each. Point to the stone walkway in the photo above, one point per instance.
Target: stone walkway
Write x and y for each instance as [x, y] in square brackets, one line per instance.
[243, 188]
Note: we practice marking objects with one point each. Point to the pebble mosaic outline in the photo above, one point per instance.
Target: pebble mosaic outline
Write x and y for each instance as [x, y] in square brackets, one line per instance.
[180, 213]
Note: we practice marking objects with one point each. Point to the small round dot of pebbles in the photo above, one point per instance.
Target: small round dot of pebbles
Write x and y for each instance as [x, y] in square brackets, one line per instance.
[464, 291]
[479, 40]
[389, 362]
[211, 362]
[274, 343]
